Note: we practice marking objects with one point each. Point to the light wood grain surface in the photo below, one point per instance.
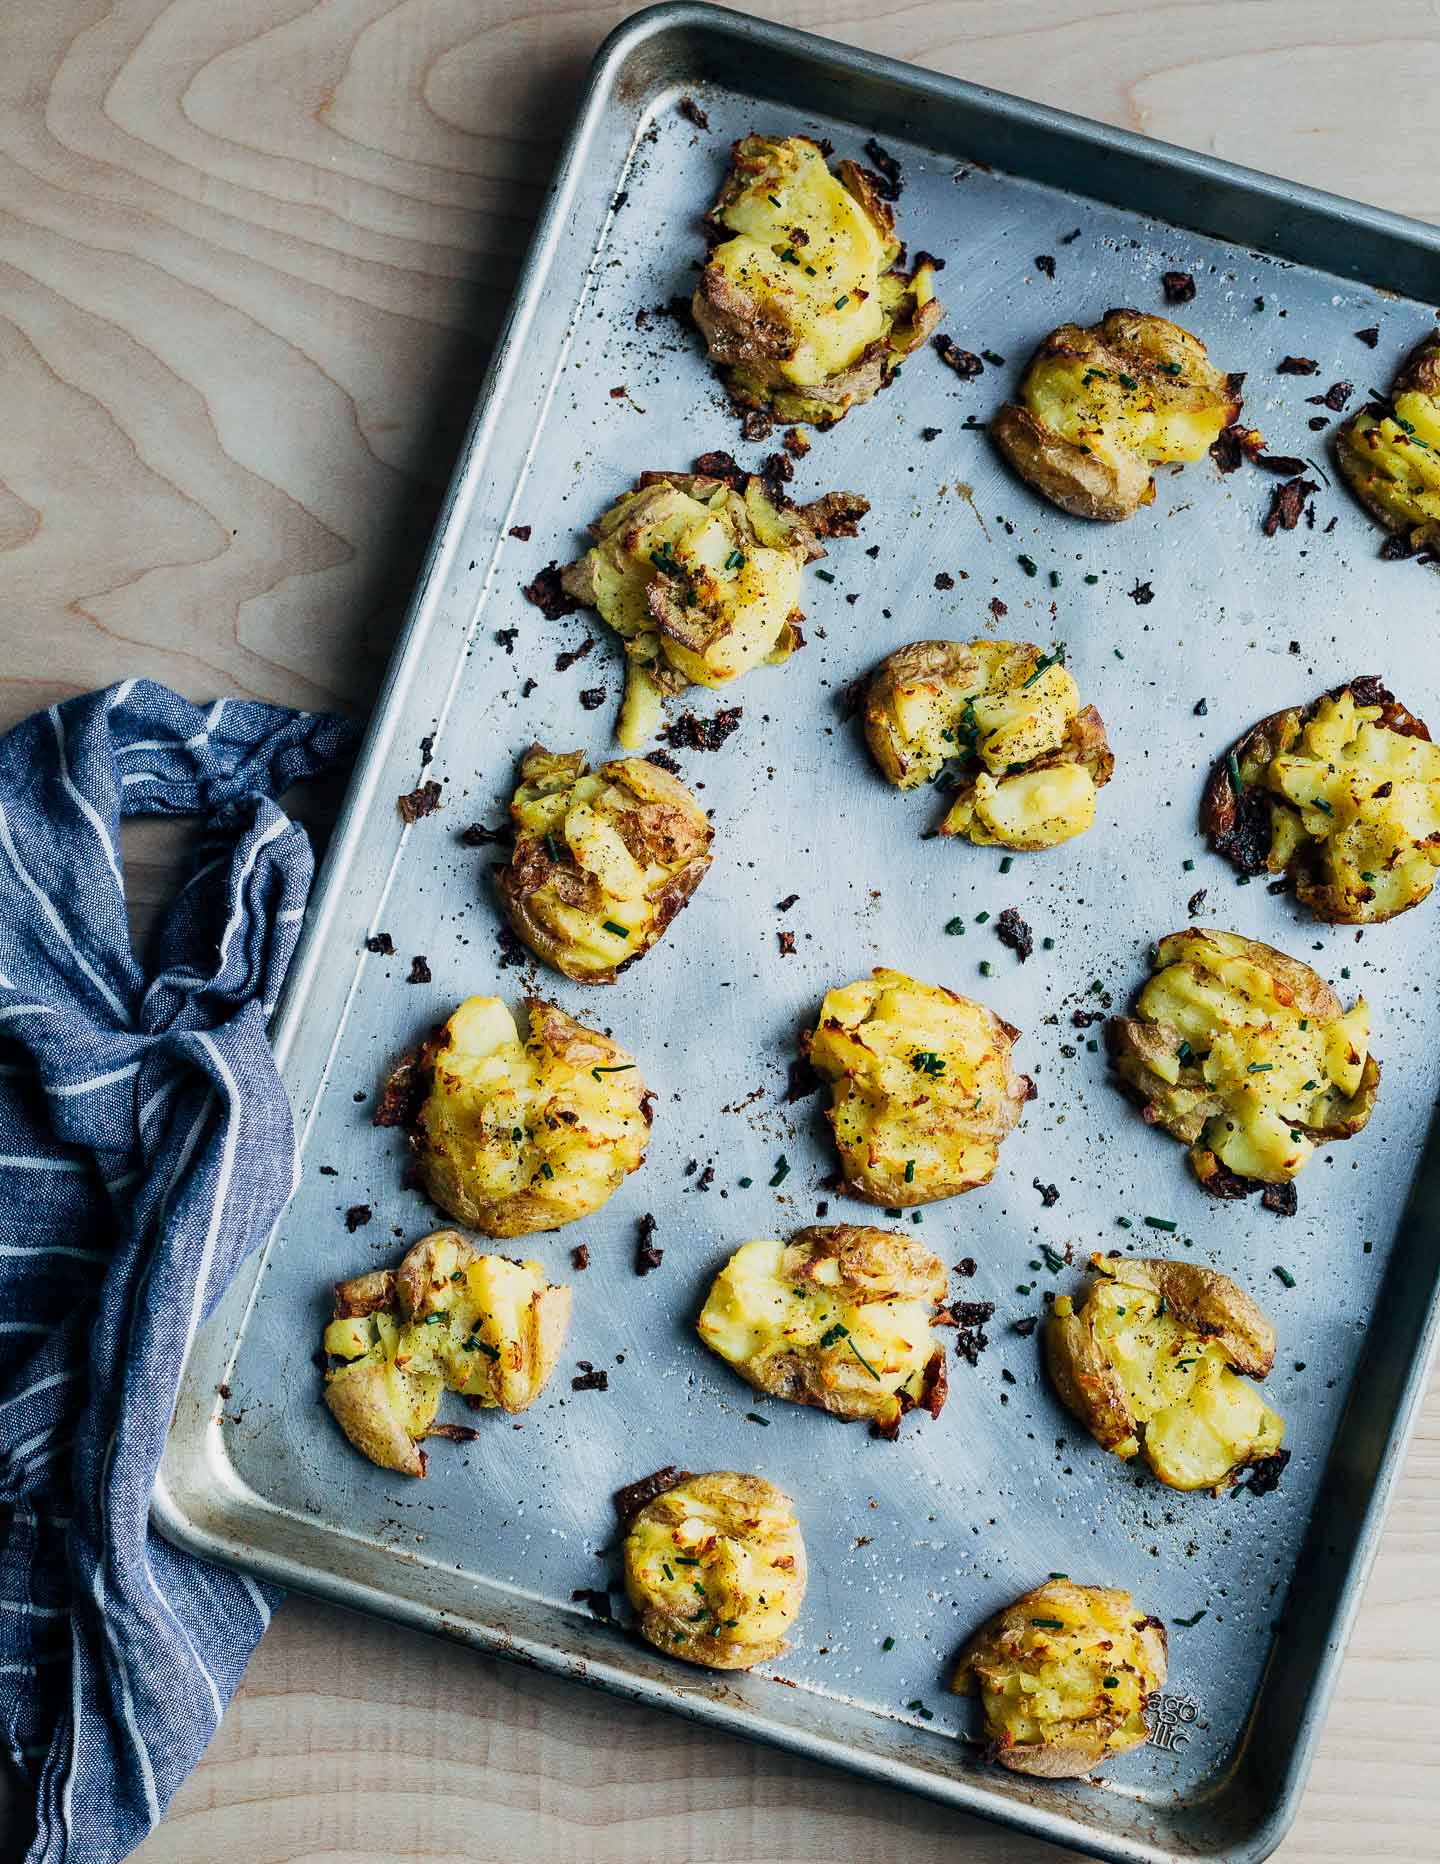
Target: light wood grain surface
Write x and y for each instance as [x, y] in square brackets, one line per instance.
[252, 255]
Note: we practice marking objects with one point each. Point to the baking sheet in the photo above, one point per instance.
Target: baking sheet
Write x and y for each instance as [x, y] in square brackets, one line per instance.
[919, 1540]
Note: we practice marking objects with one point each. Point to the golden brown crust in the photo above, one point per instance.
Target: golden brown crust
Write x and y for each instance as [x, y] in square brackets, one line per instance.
[1359, 436]
[1082, 484]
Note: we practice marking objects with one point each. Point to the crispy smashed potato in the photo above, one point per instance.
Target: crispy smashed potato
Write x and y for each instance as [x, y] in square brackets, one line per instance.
[1100, 407]
[714, 1566]
[1064, 1675]
[922, 1087]
[1391, 453]
[800, 302]
[1342, 795]
[1148, 1363]
[512, 1137]
[1245, 1055]
[700, 577]
[1007, 720]
[839, 1317]
[603, 861]
[446, 1320]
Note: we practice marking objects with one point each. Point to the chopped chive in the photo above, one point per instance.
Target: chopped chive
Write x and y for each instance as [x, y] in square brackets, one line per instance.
[1285, 1276]
[545, 1170]
[1116, 652]
[772, 200]
[735, 560]
[1047, 944]
[1190, 1623]
[1304, 1022]
[887, 1643]
[745, 1183]
[986, 968]
[754, 1417]
[842, 301]
[1344, 970]
[1028, 564]
[1185, 1052]
[1125, 1223]
[825, 575]
[550, 847]
[782, 1171]
[1110, 1682]
[1054, 1261]
[1259, 1067]
[666, 1570]
[1232, 764]
[1161, 1223]
[1044, 663]
[909, 1171]
[863, 1360]
[1049, 1624]
[1318, 802]
[1092, 579]
[1189, 866]
[980, 918]
[1054, 579]
[833, 1334]
[1128, 381]
[621, 1067]
[1007, 864]
[619, 930]
[955, 927]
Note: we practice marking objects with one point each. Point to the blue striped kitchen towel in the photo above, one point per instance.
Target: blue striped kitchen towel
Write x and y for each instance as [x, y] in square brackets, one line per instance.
[146, 1147]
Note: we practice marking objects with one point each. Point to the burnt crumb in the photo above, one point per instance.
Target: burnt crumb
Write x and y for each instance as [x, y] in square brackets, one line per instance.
[637, 1495]
[381, 944]
[512, 952]
[1317, 423]
[477, 835]
[506, 638]
[888, 169]
[1195, 902]
[1370, 337]
[590, 1378]
[1287, 502]
[580, 1258]
[1049, 1195]
[1045, 262]
[1398, 549]
[1027, 1326]
[1334, 398]
[1201, 709]
[593, 698]
[966, 1266]
[401, 1094]
[647, 1256]
[548, 595]
[1014, 933]
[998, 608]
[1282, 1199]
[970, 1336]
[1227, 1186]
[328, 1171]
[527, 689]
[1233, 445]
[520, 531]
[1283, 465]
[1069, 239]
[718, 464]
[1142, 595]
[787, 944]
[357, 1216]
[796, 443]
[756, 425]
[928, 258]
[418, 804]
[706, 1179]
[931, 433]
[664, 761]
[944, 580]
[619, 200]
[1297, 365]
[224, 1391]
[1179, 287]
[599, 1602]
[692, 113]
[1239, 822]
[689, 733]
[783, 906]
[1265, 1474]
[419, 970]
[564, 662]
[802, 1081]
[966, 364]
[873, 551]
[995, 362]
[1082, 1019]
[1294, 647]
[427, 750]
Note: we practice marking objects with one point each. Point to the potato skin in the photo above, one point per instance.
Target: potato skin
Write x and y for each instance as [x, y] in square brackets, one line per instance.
[1195, 1317]
[573, 1096]
[1260, 828]
[1054, 1634]
[1244, 1119]
[447, 1317]
[839, 1318]
[567, 885]
[740, 1554]
[807, 342]
[1397, 480]
[1159, 399]
[930, 1131]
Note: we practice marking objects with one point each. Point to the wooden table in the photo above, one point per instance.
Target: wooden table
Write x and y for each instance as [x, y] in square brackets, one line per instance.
[251, 257]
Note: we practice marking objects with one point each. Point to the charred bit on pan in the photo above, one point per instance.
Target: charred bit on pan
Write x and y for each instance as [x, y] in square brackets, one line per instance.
[1334, 398]
[419, 803]
[1266, 1473]
[592, 698]
[521, 532]
[787, 944]
[477, 835]
[590, 1378]
[1287, 503]
[1370, 336]
[692, 113]
[357, 1216]
[890, 183]
[381, 944]
[1142, 595]
[1297, 365]
[548, 595]
[689, 733]
[1179, 287]
[647, 1256]
[1013, 932]
[564, 662]
[580, 1257]
[419, 970]
[1049, 1193]
[1045, 262]
[966, 364]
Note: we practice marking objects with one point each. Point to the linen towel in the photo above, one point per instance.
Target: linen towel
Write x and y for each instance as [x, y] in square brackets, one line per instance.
[146, 1147]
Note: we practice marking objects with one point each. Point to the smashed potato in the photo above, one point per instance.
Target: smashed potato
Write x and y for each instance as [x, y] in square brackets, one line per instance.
[511, 1136]
[1390, 453]
[1148, 1363]
[1099, 407]
[1247, 1056]
[1007, 720]
[1343, 796]
[800, 302]
[714, 1566]
[446, 1320]
[699, 574]
[922, 1088]
[1064, 1675]
[839, 1317]
[603, 861]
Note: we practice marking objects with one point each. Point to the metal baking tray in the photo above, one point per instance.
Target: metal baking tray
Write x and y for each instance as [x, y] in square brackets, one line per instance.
[919, 1540]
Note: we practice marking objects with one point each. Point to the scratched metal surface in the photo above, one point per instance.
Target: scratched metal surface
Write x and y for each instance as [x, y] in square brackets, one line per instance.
[919, 1540]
